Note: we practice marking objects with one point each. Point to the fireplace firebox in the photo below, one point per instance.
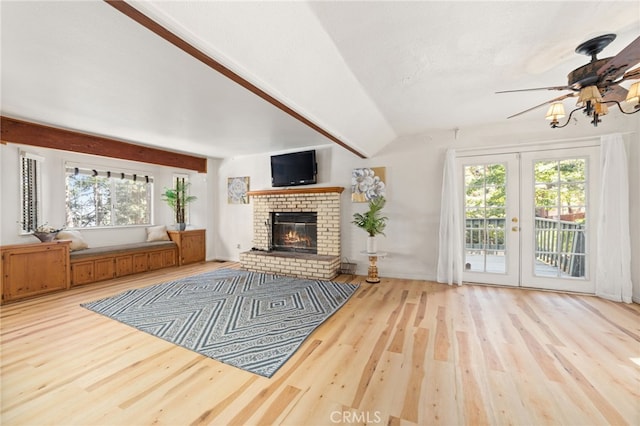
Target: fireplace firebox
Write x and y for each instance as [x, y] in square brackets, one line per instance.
[295, 232]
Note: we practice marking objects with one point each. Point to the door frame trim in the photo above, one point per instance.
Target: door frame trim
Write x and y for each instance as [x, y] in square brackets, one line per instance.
[583, 143]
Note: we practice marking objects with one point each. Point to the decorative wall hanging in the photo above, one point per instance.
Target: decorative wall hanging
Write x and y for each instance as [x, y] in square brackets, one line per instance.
[368, 184]
[237, 188]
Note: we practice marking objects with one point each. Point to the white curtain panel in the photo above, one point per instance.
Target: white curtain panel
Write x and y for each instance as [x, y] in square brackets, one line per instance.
[613, 265]
[450, 238]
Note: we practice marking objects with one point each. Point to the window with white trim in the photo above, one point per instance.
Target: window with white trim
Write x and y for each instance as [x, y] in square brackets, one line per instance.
[30, 192]
[99, 198]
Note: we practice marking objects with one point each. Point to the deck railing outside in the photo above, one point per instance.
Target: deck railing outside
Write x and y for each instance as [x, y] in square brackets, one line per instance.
[560, 244]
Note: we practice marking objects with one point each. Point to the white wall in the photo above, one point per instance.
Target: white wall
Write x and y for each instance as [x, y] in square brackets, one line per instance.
[414, 176]
[53, 195]
[413, 171]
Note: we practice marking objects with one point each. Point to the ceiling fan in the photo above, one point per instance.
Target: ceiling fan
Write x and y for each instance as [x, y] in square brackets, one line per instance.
[597, 83]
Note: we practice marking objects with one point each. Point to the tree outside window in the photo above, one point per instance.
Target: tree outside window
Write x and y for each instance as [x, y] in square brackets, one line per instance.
[97, 199]
[30, 192]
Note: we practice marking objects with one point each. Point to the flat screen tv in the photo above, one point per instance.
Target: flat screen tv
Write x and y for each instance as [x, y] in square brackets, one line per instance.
[296, 168]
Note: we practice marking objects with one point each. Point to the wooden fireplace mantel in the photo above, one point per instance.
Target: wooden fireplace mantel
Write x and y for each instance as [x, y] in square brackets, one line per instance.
[313, 190]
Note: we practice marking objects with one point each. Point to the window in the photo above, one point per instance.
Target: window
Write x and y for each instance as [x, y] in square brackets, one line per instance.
[107, 198]
[30, 211]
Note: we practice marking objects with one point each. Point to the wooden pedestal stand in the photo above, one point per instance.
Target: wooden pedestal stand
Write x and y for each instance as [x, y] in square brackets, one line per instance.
[372, 276]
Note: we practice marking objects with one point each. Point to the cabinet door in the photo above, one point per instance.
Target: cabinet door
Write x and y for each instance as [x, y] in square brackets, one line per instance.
[104, 269]
[192, 248]
[82, 273]
[169, 258]
[124, 265]
[34, 270]
[140, 262]
[156, 260]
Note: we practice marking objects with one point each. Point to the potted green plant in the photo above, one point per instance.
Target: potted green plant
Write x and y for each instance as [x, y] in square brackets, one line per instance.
[372, 221]
[177, 198]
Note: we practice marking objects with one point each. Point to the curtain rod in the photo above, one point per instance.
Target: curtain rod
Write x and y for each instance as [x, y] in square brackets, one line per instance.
[587, 139]
[580, 138]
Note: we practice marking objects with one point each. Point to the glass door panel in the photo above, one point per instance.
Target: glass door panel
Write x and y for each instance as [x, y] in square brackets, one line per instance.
[491, 253]
[485, 198]
[558, 206]
[560, 221]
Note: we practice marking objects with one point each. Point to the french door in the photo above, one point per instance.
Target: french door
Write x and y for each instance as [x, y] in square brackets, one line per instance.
[529, 218]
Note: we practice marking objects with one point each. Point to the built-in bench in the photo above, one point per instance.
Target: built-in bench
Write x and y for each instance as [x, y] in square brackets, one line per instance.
[104, 263]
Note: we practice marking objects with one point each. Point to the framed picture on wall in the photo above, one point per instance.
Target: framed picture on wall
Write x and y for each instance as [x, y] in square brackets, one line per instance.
[237, 188]
[367, 184]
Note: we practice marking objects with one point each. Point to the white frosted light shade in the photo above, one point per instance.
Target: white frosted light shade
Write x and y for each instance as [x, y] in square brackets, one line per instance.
[589, 93]
[634, 93]
[555, 111]
[601, 109]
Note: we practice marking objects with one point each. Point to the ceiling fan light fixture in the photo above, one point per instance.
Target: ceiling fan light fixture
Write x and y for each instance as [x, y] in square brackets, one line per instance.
[633, 95]
[589, 93]
[596, 84]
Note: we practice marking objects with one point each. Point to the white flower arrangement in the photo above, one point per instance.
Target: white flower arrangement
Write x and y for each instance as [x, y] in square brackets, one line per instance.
[47, 229]
[43, 229]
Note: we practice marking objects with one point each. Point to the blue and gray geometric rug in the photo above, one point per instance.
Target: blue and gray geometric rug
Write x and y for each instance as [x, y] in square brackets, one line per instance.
[246, 319]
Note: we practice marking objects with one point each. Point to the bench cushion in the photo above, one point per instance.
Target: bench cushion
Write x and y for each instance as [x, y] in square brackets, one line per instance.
[77, 242]
[122, 248]
[157, 233]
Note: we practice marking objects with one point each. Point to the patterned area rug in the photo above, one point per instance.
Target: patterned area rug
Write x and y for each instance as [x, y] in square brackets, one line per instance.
[249, 320]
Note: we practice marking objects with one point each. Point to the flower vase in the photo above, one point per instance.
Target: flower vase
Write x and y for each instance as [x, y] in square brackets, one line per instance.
[45, 237]
[372, 246]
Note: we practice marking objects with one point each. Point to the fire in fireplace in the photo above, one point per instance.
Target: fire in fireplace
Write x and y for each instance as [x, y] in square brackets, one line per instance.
[295, 231]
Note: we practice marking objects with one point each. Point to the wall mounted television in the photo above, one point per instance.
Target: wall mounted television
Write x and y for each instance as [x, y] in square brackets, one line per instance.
[292, 169]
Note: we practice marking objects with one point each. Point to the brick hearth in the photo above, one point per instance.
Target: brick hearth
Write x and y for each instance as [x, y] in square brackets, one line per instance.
[326, 202]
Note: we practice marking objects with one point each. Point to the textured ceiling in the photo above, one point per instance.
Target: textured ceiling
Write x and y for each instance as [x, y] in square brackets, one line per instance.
[367, 72]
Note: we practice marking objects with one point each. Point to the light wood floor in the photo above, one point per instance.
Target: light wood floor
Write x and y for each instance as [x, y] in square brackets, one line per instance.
[400, 352]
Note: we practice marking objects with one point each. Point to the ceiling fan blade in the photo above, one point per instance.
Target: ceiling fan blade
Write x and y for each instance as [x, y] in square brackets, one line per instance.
[627, 58]
[614, 93]
[558, 99]
[632, 74]
[537, 88]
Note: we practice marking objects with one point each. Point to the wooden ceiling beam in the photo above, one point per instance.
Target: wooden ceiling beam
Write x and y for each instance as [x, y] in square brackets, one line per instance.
[26, 133]
[186, 47]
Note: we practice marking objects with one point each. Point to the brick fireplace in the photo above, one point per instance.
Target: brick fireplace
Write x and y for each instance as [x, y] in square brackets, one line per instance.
[296, 259]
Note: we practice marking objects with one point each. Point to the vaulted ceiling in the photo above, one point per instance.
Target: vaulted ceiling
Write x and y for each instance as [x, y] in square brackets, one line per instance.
[365, 72]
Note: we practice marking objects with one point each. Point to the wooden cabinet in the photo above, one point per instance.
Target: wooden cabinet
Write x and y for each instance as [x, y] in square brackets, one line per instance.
[191, 245]
[169, 258]
[83, 273]
[104, 269]
[124, 265]
[104, 266]
[32, 269]
[162, 259]
[140, 263]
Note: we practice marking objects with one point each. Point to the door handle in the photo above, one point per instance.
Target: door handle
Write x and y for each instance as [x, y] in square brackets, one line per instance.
[515, 228]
